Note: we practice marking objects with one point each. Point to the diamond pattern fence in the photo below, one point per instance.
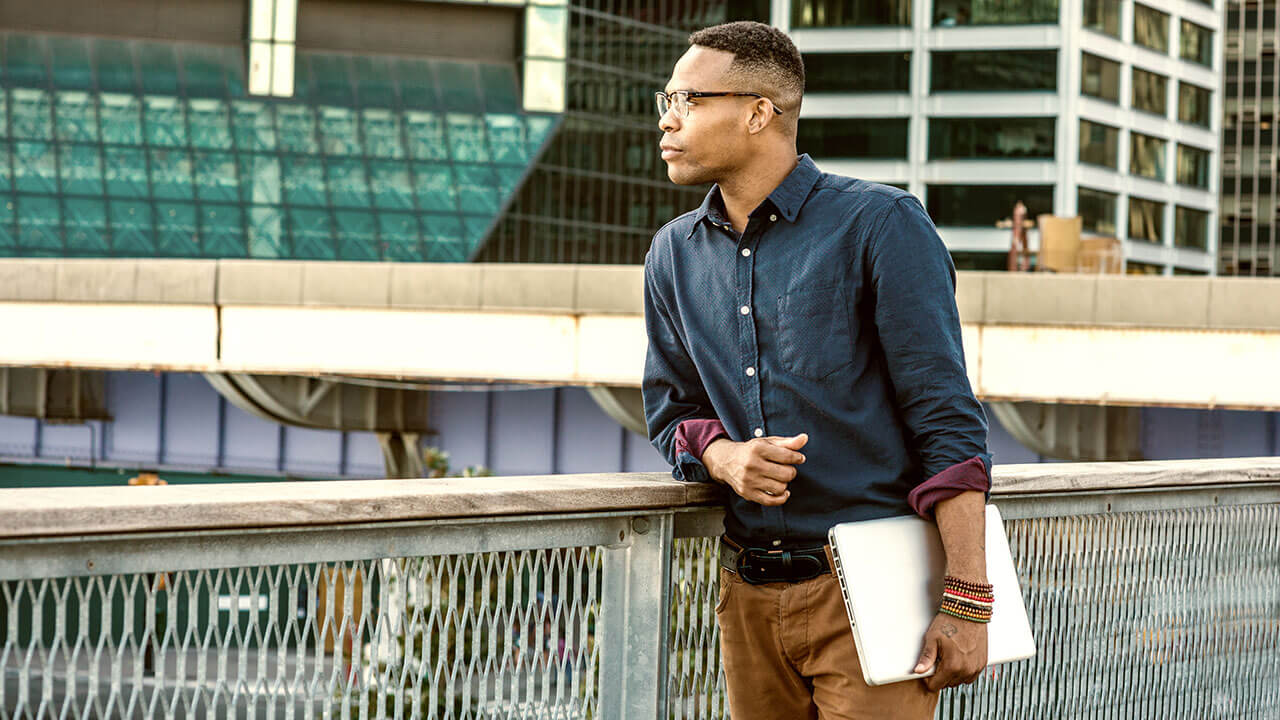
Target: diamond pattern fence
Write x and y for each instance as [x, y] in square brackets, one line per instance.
[1153, 613]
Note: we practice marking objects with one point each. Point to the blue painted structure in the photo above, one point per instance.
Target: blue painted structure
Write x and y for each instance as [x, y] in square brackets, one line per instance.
[177, 422]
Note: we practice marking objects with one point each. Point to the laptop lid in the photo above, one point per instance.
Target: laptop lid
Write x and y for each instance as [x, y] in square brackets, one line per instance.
[891, 572]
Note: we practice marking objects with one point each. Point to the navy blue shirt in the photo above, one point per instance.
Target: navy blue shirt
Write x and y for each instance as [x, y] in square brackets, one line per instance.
[833, 314]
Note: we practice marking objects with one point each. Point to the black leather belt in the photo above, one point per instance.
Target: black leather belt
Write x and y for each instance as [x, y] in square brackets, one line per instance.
[761, 565]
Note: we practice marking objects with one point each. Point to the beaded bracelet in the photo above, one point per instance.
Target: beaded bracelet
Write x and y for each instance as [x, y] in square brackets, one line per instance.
[967, 600]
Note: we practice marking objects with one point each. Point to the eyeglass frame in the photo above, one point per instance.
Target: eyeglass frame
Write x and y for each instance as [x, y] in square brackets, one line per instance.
[692, 94]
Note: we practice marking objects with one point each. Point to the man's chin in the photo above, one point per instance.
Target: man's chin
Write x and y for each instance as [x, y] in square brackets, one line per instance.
[684, 176]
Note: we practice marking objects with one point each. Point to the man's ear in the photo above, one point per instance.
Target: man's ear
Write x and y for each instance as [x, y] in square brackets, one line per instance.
[761, 115]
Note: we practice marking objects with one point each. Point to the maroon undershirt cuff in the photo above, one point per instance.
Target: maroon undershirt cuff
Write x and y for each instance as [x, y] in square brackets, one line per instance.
[959, 478]
[693, 436]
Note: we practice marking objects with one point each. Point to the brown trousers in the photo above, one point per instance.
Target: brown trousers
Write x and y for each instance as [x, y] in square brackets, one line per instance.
[788, 654]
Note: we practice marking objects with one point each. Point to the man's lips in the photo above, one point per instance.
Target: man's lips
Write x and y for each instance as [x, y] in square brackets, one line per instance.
[669, 151]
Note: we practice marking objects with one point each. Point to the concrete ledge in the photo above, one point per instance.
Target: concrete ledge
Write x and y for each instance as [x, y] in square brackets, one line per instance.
[50, 512]
[983, 298]
[40, 512]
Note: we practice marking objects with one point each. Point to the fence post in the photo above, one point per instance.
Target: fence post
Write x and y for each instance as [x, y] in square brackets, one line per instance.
[634, 614]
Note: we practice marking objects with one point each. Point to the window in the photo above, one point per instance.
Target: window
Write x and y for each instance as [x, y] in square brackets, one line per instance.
[849, 13]
[1146, 220]
[991, 138]
[857, 72]
[1193, 166]
[1099, 144]
[947, 13]
[984, 205]
[1102, 16]
[1006, 70]
[1150, 92]
[1097, 209]
[980, 260]
[1195, 43]
[1190, 228]
[1134, 267]
[853, 137]
[1146, 156]
[1100, 78]
[1151, 28]
[1193, 104]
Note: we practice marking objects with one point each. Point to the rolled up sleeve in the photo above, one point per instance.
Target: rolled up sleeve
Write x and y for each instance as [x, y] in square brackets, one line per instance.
[672, 389]
[913, 281]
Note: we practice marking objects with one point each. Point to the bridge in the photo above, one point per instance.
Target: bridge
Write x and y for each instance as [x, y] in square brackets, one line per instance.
[1101, 340]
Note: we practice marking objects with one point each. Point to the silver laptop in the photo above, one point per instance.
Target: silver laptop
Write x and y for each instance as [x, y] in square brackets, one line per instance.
[891, 572]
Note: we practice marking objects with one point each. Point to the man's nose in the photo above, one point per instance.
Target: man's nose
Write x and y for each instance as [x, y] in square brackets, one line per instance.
[669, 122]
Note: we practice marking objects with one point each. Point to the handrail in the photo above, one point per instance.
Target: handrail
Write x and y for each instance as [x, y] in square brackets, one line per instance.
[53, 512]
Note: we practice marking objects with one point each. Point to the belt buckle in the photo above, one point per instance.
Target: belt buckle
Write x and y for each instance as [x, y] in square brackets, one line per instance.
[758, 566]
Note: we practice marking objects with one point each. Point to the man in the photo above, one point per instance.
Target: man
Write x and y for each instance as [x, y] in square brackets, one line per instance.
[804, 350]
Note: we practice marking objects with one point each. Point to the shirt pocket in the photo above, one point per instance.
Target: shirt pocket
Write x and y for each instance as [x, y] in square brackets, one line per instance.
[813, 332]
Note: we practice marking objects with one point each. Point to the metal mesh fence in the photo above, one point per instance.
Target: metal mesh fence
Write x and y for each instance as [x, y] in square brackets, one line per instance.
[1136, 615]
[1161, 613]
[494, 635]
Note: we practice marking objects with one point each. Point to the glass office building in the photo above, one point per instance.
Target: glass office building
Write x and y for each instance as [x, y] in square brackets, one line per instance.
[1248, 243]
[1104, 108]
[339, 129]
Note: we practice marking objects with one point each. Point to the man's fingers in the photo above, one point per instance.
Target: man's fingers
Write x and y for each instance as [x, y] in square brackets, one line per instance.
[764, 498]
[928, 654]
[780, 454]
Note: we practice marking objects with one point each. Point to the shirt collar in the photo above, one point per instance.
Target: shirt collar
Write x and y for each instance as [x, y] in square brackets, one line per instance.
[787, 198]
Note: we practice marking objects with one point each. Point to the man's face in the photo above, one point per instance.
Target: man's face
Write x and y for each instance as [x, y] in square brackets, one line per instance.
[698, 149]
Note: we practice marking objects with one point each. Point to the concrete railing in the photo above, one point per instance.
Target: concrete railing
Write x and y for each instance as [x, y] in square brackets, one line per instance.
[1153, 588]
[1114, 340]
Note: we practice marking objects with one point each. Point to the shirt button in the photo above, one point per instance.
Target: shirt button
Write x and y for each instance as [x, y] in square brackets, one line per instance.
[759, 432]
[746, 252]
[751, 371]
[776, 543]
[773, 218]
[745, 310]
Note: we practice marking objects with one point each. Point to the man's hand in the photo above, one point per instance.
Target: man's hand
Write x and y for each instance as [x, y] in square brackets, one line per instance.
[758, 470]
[960, 649]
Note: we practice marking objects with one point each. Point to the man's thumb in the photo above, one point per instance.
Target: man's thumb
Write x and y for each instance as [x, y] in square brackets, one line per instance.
[927, 656]
[795, 442]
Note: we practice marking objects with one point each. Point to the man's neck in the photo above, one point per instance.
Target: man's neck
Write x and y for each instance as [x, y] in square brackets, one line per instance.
[749, 187]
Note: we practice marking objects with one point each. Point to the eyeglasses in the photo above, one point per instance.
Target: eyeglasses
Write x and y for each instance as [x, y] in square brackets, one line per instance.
[678, 101]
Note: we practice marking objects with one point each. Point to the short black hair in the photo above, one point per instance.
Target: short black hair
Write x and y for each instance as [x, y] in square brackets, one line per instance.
[763, 53]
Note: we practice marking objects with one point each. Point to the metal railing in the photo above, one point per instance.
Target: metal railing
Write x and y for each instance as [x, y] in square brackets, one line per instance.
[1153, 588]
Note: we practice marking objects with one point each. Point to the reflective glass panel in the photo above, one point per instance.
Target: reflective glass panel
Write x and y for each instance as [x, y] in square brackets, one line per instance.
[1099, 144]
[86, 225]
[222, 231]
[176, 234]
[853, 137]
[849, 13]
[436, 187]
[77, 117]
[357, 235]
[950, 13]
[1097, 210]
[312, 233]
[1150, 28]
[1195, 43]
[1146, 156]
[348, 183]
[171, 174]
[391, 187]
[1102, 16]
[125, 170]
[1193, 166]
[400, 237]
[39, 220]
[81, 169]
[1193, 104]
[30, 114]
[1146, 220]
[989, 71]
[1190, 228]
[1150, 92]
[35, 167]
[857, 72]
[1010, 138]
[1100, 78]
[165, 121]
[984, 205]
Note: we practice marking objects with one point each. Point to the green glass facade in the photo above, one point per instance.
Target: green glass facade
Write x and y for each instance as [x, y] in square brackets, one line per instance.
[129, 148]
[113, 147]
